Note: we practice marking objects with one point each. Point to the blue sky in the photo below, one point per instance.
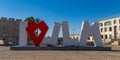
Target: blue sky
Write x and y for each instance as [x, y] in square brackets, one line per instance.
[73, 11]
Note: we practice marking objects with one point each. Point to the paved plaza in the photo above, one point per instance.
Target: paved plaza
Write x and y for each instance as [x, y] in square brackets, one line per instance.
[7, 54]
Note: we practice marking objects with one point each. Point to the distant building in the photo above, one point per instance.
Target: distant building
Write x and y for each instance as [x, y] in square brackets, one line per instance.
[75, 36]
[9, 30]
[110, 28]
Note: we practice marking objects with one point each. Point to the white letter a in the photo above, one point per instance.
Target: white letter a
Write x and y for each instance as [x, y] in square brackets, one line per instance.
[86, 30]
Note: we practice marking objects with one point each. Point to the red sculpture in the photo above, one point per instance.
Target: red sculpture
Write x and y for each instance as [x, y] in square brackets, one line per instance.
[31, 31]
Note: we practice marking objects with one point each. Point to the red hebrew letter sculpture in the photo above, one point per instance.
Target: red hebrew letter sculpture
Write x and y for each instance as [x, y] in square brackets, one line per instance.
[31, 31]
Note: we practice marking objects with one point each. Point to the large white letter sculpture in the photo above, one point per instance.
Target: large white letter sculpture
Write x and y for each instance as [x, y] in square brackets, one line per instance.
[66, 35]
[53, 40]
[22, 34]
[66, 38]
[86, 30]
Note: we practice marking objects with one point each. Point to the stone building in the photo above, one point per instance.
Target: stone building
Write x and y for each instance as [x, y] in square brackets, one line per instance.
[110, 29]
[9, 30]
[76, 36]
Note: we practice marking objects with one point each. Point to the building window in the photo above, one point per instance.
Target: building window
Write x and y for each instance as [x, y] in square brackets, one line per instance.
[107, 23]
[110, 28]
[119, 21]
[106, 37]
[105, 29]
[100, 24]
[110, 36]
[101, 36]
[114, 21]
[101, 29]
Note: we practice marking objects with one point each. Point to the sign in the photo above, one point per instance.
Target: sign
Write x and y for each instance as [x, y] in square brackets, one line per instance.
[86, 30]
[31, 31]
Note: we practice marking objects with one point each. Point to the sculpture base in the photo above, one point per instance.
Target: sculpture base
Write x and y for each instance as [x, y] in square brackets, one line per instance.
[60, 48]
[95, 48]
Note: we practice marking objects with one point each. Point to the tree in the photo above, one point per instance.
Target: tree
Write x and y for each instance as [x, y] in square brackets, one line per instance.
[29, 19]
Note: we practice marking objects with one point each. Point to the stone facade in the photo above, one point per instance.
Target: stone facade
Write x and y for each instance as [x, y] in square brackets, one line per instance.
[9, 29]
[110, 28]
[76, 36]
